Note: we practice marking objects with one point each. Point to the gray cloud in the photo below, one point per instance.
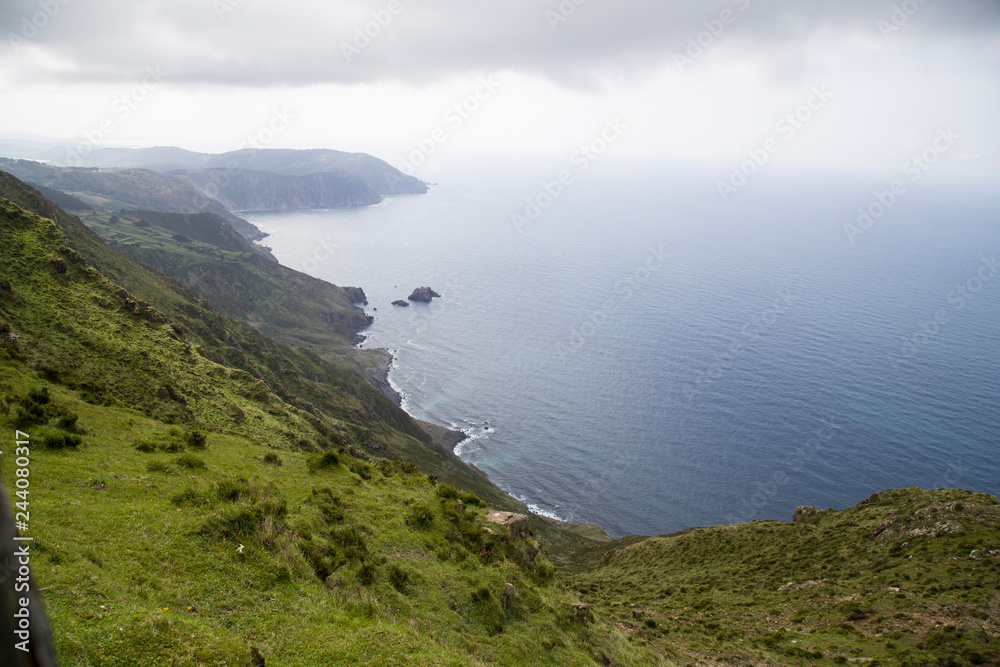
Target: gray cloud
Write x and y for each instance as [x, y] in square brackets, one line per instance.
[261, 43]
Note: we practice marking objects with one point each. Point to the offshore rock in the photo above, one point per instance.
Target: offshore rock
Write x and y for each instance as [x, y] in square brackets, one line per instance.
[423, 294]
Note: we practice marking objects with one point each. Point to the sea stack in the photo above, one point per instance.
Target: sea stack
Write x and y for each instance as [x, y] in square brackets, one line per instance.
[423, 294]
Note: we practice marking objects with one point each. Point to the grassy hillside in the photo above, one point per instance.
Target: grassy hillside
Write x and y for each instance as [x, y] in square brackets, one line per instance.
[153, 462]
[237, 280]
[907, 577]
[116, 189]
[317, 402]
[155, 549]
[203, 495]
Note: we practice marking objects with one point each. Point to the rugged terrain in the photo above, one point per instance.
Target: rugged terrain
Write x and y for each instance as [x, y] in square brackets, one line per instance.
[214, 481]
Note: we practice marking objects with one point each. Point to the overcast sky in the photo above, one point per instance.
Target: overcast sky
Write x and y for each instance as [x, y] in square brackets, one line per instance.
[871, 81]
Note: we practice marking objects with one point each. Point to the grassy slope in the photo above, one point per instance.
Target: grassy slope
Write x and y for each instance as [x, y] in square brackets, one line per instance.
[139, 558]
[908, 577]
[152, 533]
[282, 303]
[115, 189]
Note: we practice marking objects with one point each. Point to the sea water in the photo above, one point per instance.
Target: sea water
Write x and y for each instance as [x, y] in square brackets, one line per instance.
[633, 350]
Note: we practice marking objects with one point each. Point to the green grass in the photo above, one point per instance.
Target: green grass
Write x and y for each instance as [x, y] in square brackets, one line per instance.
[200, 492]
[142, 564]
[891, 579]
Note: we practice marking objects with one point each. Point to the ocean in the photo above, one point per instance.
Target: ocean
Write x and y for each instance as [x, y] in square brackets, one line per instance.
[625, 347]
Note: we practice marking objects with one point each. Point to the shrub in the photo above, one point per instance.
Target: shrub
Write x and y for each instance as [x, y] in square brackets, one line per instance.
[145, 446]
[421, 515]
[190, 496]
[327, 459]
[471, 499]
[190, 461]
[272, 459]
[361, 469]
[68, 422]
[231, 490]
[446, 492]
[246, 520]
[196, 440]
[39, 396]
[61, 441]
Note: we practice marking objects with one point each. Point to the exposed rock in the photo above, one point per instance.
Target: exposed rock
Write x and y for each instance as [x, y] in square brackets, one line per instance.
[516, 523]
[581, 613]
[400, 302]
[803, 511]
[423, 294]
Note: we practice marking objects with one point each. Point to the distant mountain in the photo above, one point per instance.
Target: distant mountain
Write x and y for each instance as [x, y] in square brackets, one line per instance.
[116, 189]
[377, 174]
[249, 190]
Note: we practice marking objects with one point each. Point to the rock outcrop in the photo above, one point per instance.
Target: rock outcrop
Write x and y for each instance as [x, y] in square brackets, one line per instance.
[400, 302]
[516, 523]
[423, 294]
[803, 510]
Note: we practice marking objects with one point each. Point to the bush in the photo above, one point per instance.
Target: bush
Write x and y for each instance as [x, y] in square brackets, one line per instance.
[196, 440]
[471, 499]
[68, 422]
[190, 461]
[145, 446]
[61, 441]
[272, 459]
[361, 469]
[231, 490]
[446, 492]
[39, 396]
[327, 459]
[190, 496]
[421, 515]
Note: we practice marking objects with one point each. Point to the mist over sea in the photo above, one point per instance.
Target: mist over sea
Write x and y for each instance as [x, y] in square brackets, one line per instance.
[645, 356]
